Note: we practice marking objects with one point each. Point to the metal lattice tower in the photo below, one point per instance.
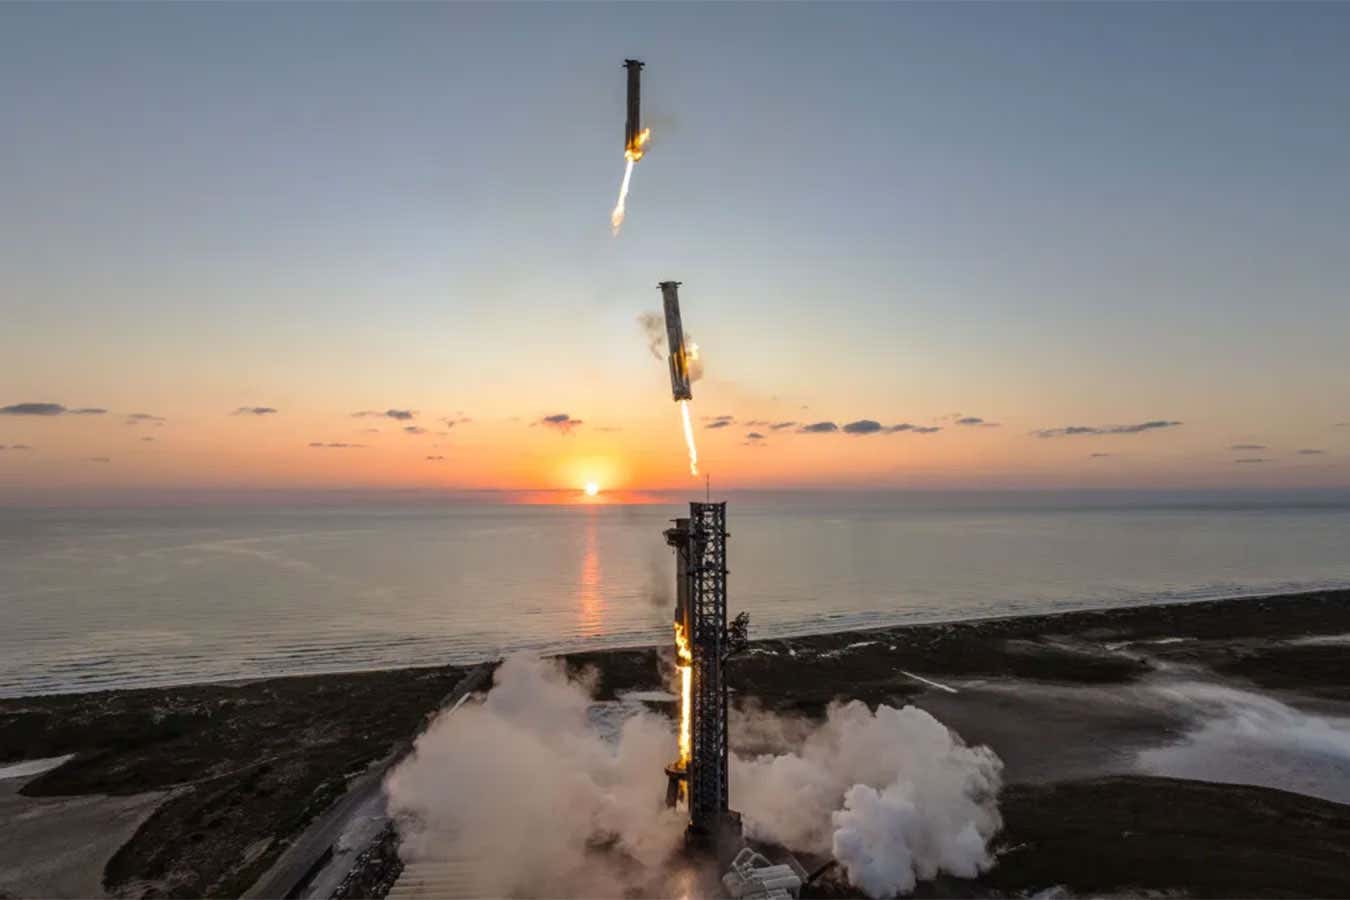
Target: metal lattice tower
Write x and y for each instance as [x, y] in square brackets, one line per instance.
[708, 613]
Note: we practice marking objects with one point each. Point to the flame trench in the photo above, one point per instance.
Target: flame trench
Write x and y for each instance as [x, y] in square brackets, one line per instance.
[689, 437]
[632, 154]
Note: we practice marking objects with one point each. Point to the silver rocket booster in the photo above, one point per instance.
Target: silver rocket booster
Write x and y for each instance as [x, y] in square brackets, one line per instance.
[633, 126]
[678, 537]
[679, 356]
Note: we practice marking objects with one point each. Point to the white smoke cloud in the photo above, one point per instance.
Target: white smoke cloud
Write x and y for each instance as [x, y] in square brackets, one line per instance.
[529, 795]
[894, 795]
[1241, 737]
[522, 789]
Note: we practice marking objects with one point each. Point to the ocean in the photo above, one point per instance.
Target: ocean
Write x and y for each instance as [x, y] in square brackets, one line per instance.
[113, 598]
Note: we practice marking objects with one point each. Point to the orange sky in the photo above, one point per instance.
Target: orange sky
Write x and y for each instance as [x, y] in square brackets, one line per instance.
[205, 210]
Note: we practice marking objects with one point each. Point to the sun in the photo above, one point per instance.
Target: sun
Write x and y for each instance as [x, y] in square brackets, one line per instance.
[591, 489]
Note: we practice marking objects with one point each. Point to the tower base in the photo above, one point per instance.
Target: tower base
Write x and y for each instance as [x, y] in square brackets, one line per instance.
[722, 842]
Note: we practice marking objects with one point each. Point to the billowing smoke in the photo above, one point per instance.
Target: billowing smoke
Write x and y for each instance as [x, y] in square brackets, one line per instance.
[1243, 737]
[523, 789]
[893, 795]
[526, 795]
[653, 325]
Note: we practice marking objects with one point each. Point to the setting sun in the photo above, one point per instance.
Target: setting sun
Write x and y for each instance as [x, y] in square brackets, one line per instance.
[592, 489]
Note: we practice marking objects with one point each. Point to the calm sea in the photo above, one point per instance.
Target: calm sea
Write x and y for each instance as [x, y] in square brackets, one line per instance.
[108, 598]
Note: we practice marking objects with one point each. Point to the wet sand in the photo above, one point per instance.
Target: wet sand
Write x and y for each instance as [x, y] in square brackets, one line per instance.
[1083, 707]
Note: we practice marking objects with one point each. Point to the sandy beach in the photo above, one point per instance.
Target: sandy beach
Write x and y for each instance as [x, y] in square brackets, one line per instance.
[1115, 728]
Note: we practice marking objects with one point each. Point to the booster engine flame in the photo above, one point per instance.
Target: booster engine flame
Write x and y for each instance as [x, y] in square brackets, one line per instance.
[633, 153]
[689, 437]
[684, 664]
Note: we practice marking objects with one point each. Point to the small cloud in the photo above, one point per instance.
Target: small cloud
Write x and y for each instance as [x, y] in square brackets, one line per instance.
[976, 420]
[147, 438]
[754, 436]
[1248, 447]
[818, 428]
[757, 423]
[435, 458]
[414, 429]
[561, 422]
[862, 426]
[88, 411]
[401, 415]
[1251, 460]
[98, 459]
[452, 421]
[1072, 430]
[917, 429]
[718, 421]
[1311, 452]
[1099, 455]
[779, 426]
[32, 409]
[138, 418]
[254, 411]
[335, 445]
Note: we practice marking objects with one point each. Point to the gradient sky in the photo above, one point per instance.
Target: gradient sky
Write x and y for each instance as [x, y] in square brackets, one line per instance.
[1040, 216]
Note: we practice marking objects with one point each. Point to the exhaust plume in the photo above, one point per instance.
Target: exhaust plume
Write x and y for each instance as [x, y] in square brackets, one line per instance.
[689, 438]
[632, 154]
[893, 795]
[1242, 737]
[523, 795]
[524, 792]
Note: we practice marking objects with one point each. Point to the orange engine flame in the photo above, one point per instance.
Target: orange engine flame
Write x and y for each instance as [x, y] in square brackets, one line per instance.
[684, 664]
[633, 153]
[689, 437]
[635, 150]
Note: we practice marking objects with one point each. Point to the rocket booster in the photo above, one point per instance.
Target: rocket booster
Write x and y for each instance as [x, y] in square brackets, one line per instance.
[679, 357]
[679, 538]
[632, 128]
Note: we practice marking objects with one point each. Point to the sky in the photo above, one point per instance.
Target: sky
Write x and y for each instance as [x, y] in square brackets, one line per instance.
[1115, 235]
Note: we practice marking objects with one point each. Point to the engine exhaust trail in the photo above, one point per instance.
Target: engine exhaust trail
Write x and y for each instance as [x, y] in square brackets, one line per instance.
[689, 437]
[621, 208]
[633, 154]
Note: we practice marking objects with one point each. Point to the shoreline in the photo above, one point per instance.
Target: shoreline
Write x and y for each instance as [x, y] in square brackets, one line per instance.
[790, 633]
[215, 781]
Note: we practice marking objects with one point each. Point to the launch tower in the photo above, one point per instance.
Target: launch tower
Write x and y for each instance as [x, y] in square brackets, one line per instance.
[700, 543]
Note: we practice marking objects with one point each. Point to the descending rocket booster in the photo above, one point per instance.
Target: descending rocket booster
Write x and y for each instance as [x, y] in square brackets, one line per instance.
[633, 137]
[679, 355]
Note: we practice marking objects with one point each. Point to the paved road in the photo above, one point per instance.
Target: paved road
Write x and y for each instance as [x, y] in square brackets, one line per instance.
[313, 851]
